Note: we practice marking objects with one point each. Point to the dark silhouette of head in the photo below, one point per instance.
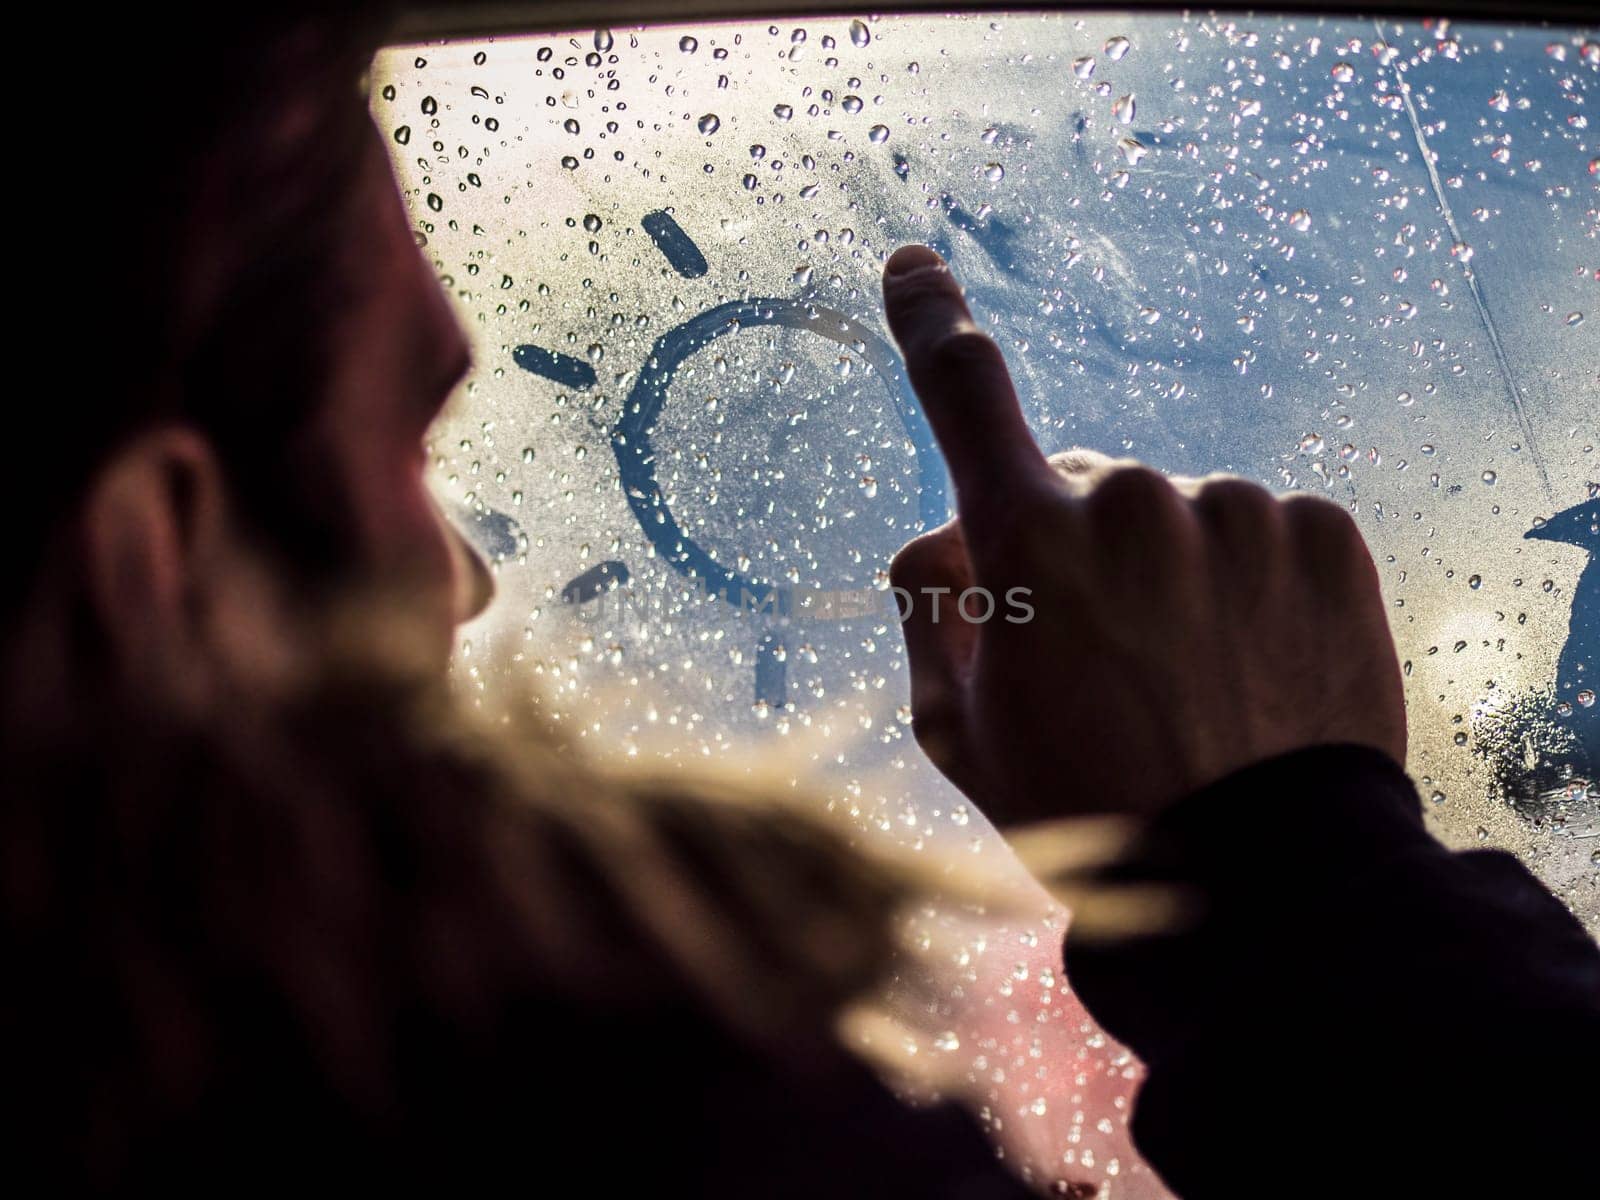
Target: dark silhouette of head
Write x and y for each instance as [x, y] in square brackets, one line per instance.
[267, 906]
[269, 349]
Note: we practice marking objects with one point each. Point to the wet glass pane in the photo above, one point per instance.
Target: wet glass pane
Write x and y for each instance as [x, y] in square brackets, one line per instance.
[1361, 260]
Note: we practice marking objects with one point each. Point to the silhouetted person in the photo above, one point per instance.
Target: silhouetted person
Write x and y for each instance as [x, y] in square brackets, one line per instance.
[275, 916]
[1578, 670]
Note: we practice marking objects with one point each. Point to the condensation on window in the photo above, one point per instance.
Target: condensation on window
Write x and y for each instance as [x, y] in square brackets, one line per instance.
[1360, 260]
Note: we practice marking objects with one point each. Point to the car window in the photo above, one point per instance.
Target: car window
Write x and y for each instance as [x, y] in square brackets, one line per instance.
[1356, 259]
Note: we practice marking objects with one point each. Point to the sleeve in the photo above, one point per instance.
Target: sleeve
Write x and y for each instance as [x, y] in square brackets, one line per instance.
[1343, 1006]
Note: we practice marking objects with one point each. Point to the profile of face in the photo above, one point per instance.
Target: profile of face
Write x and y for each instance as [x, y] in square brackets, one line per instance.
[192, 604]
[398, 354]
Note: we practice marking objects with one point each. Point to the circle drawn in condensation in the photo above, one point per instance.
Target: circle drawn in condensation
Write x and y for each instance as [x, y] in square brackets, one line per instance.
[636, 460]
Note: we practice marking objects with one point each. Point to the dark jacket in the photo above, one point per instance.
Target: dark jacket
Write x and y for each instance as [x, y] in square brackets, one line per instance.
[1350, 1009]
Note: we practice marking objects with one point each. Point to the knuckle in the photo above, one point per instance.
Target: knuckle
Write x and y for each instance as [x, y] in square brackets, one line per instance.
[908, 568]
[1329, 546]
[1320, 525]
[930, 556]
[1137, 495]
[967, 351]
[1229, 492]
[1238, 508]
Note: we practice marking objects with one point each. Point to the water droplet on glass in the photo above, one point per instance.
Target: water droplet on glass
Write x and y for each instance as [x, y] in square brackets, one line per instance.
[994, 172]
[1585, 698]
[1574, 318]
[403, 135]
[1132, 151]
[860, 35]
[852, 104]
[802, 274]
[435, 201]
[592, 223]
[783, 111]
[1489, 477]
[878, 133]
[688, 44]
[709, 124]
[1312, 443]
[1083, 67]
[1117, 47]
[1475, 582]
[1500, 102]
[1300, 219]
[1343, 72]
[1149, 316]
[602, 40]
[1123, 108]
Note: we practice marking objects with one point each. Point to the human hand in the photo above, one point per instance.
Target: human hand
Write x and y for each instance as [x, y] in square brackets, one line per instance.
[1180, 629]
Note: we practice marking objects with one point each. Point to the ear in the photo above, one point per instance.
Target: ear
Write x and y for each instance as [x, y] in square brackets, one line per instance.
[153, 527]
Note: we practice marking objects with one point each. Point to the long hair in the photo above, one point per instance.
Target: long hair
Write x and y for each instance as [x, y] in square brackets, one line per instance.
[364, 912]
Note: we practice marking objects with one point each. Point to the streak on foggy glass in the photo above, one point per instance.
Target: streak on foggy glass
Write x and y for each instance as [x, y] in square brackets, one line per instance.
[1361, 260]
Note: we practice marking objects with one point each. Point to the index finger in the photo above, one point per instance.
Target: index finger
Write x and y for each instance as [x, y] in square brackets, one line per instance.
[965, 389]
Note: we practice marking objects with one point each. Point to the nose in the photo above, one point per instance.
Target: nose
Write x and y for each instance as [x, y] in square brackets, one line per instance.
[474, 584]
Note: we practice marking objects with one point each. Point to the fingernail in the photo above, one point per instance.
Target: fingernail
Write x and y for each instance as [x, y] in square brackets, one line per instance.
[910, 258]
